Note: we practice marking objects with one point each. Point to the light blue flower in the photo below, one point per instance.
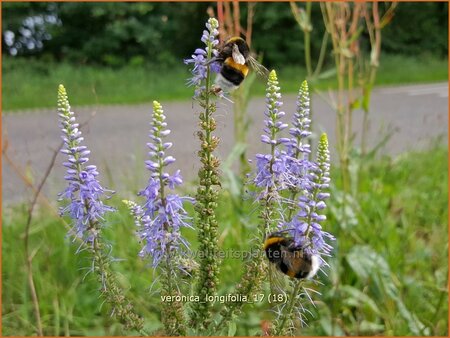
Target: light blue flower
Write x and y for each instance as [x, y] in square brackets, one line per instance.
[201, 59]
[162, 216]
[84, 192]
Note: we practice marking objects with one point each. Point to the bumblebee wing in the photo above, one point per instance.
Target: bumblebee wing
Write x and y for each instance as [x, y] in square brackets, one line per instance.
[237, 56]
[257, 67]
[276, 279]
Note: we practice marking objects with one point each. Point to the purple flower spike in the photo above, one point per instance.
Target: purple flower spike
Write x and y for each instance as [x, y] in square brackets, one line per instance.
[301, 123]
[84, 191]
[312, 203]
[294, 185]
[272, 173]
[162, 216]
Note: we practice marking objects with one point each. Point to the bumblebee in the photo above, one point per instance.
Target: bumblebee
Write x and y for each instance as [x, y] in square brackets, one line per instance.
[290, 259]
[235, 60]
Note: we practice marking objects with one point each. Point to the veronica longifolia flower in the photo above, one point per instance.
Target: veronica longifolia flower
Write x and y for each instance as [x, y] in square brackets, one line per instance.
[202, 57]
[84, 192]
[306, 223]
[288, 168]
[162, 215]
[301, 124]
[272, 171]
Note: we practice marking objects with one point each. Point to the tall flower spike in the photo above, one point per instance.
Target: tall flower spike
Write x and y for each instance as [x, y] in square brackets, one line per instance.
[84, 191]
[306, 224]
[299, 150]
[301, 122]
[272, 168]
[321, 184]
[271, 177]
[87, 211]
[307, 231]
[163, 214]
[273, 114]
[207, 191]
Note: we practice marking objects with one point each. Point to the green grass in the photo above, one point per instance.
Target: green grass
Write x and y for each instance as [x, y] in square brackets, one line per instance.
[388, 274]
[29, 84]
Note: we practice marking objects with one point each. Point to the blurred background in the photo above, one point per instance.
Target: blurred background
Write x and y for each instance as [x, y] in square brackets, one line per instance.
[101, 50]
[378, 75]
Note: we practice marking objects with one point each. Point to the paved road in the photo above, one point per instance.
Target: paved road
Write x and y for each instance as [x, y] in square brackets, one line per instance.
[117, 135]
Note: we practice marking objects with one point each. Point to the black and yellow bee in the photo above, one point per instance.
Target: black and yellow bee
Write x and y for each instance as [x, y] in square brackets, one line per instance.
[289, 258]
[235, 60]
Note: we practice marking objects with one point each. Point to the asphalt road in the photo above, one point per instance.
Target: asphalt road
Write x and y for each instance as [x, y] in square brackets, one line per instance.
[417, 115]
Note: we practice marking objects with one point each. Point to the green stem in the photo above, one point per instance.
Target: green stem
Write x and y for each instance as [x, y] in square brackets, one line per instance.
[205, 207]
[172, 312]
[323, 49]
[307, 36]
[287, 314]
[249, 285]
[114, 295]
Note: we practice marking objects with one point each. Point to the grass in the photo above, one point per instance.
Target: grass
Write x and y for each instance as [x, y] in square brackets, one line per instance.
[388, 274]
[31, 84]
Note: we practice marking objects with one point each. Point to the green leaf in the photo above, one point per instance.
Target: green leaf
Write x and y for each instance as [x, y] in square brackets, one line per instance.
[356, 104]
[231, 329]
[370, 328]
[366, 97]
[327, 74]
[357, 298]
[371, 267]
[330, 328]
[231, 180]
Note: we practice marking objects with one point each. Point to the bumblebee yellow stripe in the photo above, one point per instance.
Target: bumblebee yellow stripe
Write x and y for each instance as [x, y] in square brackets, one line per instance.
[272, 240]
[242, 68]
[233, 39]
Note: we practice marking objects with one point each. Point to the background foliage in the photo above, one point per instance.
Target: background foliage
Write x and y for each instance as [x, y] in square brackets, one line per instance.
[118, 34]
[109, 53]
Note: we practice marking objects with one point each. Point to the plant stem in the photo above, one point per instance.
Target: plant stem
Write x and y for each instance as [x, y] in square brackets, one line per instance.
[287, 314]
[114, 295]
[240, 97]
[249, 285]
[323, 48]
[29, 259]
[307, 36]
[172, 312]
[205, 207]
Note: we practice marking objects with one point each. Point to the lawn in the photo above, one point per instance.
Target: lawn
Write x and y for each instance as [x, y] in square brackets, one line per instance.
[29, 84]
[387, 276]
